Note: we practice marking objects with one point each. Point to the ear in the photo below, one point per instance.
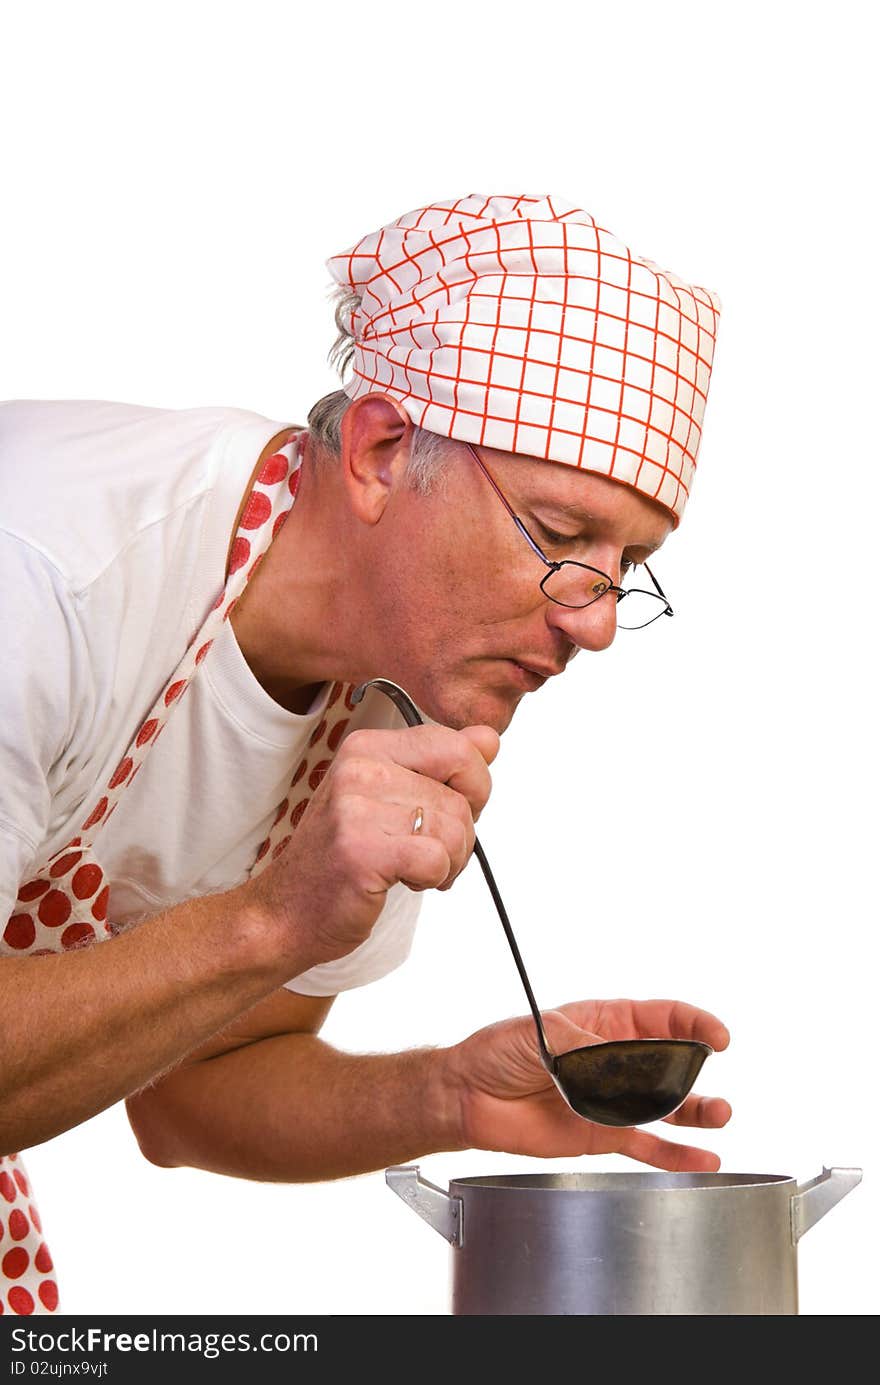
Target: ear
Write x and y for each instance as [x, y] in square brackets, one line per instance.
[375, 436]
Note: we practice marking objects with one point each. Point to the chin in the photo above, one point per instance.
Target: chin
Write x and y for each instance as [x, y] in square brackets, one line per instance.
[471, 707]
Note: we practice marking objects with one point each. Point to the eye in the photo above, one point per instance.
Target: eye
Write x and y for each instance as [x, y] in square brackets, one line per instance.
[553, 538]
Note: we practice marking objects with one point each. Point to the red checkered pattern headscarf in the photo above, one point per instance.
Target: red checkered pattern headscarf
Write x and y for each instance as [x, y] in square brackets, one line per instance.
[519, 323]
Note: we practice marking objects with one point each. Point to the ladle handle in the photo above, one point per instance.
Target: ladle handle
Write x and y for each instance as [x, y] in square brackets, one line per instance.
[413, 717]
[546, 1055]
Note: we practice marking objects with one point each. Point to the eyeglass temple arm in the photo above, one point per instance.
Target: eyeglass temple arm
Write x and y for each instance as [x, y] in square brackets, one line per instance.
[659, 588]
[513, 515]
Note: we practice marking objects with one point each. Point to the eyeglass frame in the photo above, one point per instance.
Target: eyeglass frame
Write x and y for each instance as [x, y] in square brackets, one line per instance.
[553, 566]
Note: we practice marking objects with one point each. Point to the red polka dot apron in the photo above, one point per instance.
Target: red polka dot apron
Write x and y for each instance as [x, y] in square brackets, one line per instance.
[67, 902]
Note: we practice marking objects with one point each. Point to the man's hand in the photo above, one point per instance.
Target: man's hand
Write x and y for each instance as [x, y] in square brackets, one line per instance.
[355, 840]
[508, 1101]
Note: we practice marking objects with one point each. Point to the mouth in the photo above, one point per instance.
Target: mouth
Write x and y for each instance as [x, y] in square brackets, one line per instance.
[532, 676]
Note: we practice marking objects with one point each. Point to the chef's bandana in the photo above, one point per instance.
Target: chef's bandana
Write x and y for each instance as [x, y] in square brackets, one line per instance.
[519, 323]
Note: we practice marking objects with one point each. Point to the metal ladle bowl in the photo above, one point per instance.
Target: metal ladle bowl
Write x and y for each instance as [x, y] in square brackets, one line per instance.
[623, 1082]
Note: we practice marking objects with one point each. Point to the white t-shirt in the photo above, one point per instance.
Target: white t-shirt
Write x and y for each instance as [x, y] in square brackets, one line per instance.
[114, 526]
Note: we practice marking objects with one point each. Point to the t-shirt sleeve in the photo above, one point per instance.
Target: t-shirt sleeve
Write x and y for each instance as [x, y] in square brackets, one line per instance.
[44, 670]
[387, 947]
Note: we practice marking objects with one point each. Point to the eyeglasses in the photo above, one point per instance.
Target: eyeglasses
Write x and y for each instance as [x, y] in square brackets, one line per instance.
[577, 585]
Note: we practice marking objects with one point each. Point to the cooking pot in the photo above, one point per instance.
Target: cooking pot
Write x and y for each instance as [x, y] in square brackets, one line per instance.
[624, 1243]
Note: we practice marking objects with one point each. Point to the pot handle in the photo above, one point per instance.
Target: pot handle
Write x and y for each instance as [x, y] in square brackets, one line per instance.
[813, 1199]
[434, 1206]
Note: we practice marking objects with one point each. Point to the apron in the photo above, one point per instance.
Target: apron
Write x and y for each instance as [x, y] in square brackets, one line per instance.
[66, 903]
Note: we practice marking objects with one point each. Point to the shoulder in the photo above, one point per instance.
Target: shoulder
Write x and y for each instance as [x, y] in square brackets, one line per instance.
[80, 479]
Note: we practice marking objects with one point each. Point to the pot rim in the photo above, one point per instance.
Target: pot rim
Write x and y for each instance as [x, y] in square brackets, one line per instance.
[624, 1181]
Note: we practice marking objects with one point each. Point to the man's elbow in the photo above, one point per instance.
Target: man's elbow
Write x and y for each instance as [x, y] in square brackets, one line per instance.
[152, 1129]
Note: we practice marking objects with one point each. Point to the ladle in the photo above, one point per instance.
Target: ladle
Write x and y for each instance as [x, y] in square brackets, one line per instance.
[621, 1082]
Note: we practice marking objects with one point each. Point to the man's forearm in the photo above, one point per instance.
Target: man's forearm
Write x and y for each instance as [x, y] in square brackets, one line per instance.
[294, 1109]
[83, 1029]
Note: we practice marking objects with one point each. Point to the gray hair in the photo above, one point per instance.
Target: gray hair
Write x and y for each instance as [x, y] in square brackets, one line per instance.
[428, 452]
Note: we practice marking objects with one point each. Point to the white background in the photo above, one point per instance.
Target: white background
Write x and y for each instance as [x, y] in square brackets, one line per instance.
[173, 178]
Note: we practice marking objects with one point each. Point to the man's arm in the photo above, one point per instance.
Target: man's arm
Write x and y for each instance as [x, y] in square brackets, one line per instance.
[82, 1029]
[269, 1100]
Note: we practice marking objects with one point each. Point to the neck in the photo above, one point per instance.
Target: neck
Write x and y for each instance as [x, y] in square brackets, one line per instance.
[290, 620]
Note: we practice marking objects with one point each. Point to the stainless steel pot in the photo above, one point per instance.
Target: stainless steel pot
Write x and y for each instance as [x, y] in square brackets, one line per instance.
[624, 1243]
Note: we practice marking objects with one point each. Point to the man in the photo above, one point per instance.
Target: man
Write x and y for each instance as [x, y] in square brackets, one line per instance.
[190, 598]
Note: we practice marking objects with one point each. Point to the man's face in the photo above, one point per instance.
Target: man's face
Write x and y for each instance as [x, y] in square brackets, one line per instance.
[463, 623]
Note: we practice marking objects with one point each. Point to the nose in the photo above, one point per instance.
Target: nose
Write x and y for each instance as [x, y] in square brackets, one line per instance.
[590, 627]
